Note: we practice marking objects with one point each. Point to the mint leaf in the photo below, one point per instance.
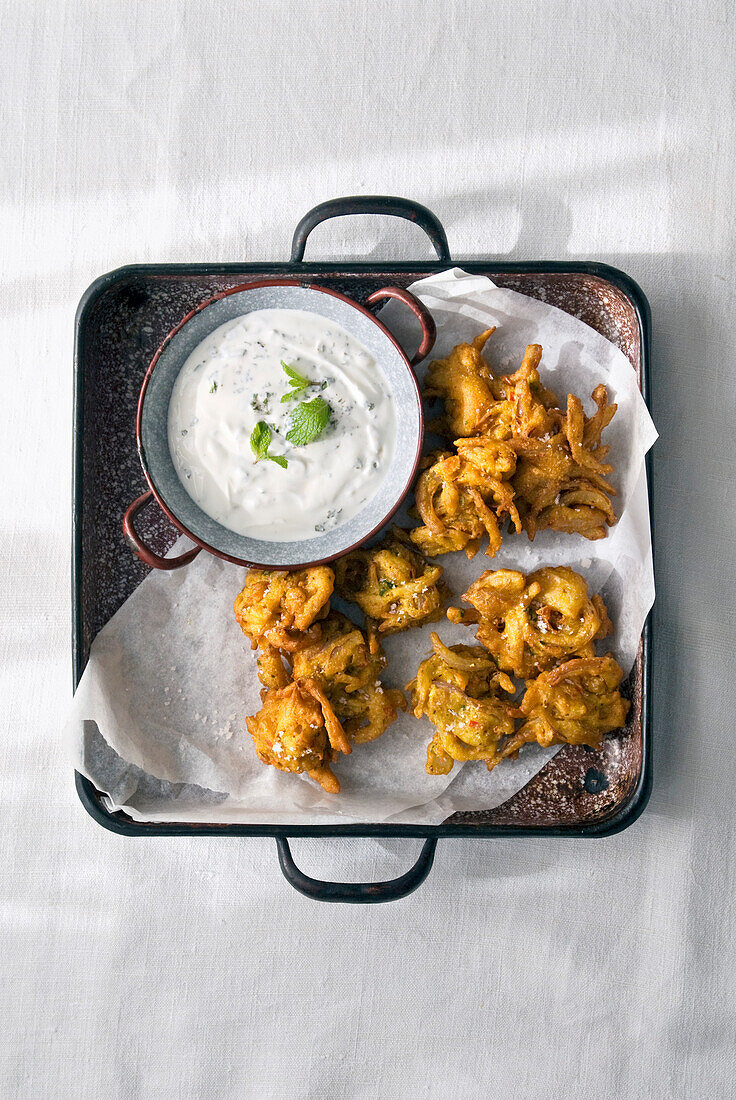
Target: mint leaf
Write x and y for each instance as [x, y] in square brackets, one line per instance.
[213, 388]
[260, 438]
[308, 421]
[260, 441]
[296, 380]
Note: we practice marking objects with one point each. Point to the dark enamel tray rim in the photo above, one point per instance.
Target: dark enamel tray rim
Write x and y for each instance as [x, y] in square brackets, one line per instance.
[622, 817]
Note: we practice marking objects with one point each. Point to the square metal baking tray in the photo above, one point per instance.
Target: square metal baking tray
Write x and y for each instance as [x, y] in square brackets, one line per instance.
[121, 320]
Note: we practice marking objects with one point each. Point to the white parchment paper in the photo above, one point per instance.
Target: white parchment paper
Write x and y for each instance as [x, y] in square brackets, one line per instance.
[158, 720]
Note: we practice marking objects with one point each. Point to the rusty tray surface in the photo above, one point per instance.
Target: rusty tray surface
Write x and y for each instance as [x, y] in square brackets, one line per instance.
[122, 319]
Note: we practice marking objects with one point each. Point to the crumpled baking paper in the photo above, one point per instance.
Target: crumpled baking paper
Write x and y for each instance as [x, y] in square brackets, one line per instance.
[158, 720]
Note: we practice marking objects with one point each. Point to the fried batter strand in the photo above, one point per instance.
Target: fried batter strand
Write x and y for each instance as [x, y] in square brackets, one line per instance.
[523, 407]
[296, 731]
[393, 584]
[464, 381]
[463, 496]
[271, 670]
[574, 704]
[461, 691]
[275, 608]
[341, 662]
[532, 623]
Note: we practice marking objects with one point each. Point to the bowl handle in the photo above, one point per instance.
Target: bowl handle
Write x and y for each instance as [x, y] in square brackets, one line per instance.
[138, 546]
[356, 892]
[371, 204]
[420, 311]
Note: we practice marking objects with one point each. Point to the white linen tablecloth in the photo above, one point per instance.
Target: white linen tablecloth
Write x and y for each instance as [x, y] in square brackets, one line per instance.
[541, 968]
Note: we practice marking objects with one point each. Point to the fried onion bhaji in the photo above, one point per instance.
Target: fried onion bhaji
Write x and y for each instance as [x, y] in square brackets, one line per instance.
[560, 477]
[296, 731]
[574, 704]
[462, 497]
[461, 691]
[341, 662]
[560, 480]
[276, 608]
[464, 381]
[529, 624]
[393, 584]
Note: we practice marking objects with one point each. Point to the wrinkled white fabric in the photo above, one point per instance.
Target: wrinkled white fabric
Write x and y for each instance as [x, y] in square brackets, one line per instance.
[538, 968]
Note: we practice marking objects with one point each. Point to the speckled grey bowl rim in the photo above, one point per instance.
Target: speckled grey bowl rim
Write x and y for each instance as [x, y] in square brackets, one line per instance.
[152, 424]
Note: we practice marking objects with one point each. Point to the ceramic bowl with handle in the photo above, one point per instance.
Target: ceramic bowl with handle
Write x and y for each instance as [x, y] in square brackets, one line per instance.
[152, 425]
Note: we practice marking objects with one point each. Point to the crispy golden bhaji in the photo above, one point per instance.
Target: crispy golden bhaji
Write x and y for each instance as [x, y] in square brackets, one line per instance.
[561, 480]
[464, 381]
[574, 704]
[560, 477]
[462, 497]
[341, 662]
[296, 731]
[477, 401]
[275, 607]
[463, 694]
[393, 584]
[529, 624]
[339, 656]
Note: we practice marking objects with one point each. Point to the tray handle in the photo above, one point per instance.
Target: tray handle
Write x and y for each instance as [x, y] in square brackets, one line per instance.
[356, 892]
[139, 547]
[372, 204]
[420, 311]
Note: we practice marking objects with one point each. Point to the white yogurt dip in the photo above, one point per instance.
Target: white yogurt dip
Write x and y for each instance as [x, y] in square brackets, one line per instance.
[235, 380]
